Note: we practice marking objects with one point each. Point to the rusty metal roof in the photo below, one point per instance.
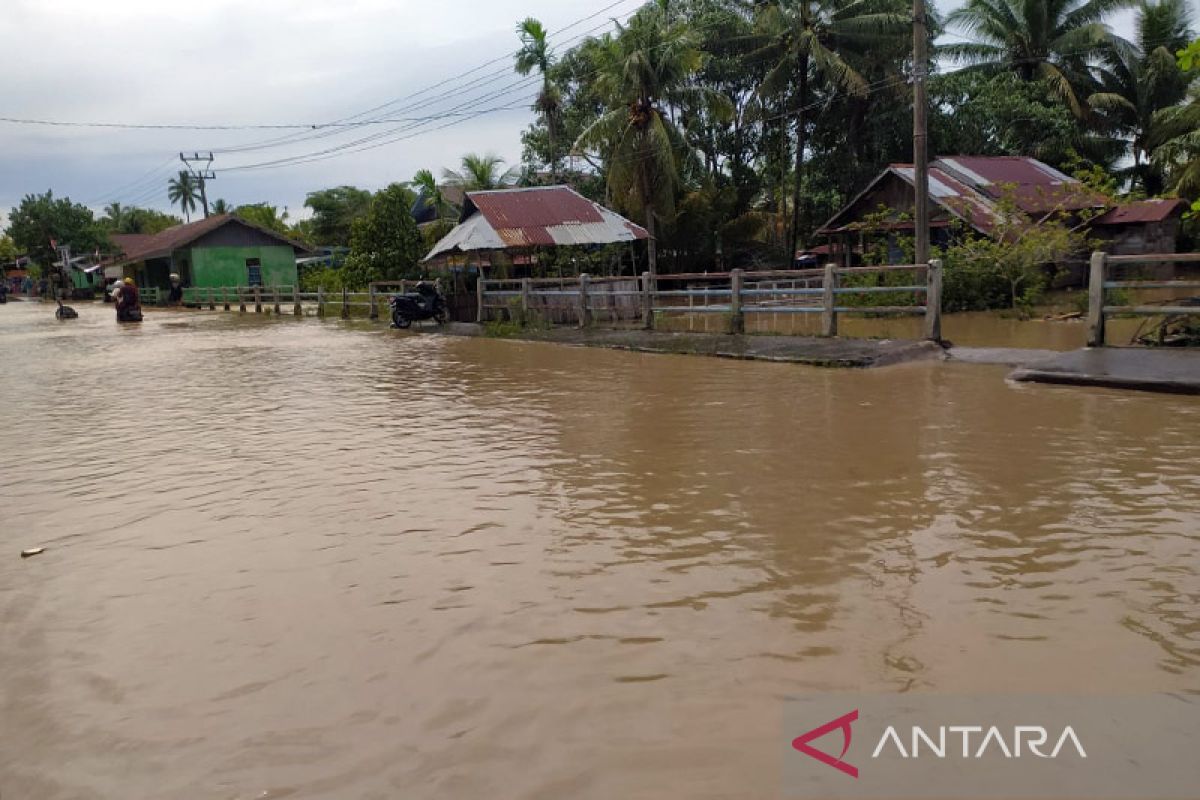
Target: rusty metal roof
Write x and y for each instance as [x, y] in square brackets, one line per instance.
[1142, 211]
[540, 216]
[971, 188]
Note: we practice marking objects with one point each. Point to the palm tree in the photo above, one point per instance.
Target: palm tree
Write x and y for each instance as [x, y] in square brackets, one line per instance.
[1175, 141]
[1139, 79]
[219, 206]
[801, 39]
[183, 191]
[640, 71]
[115, 214]
[535, 54]
[1049, 40]
[431, 194]
[479, 173]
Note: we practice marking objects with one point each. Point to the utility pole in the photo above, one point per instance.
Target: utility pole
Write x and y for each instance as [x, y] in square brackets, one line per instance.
[920, 137]
[201, 174]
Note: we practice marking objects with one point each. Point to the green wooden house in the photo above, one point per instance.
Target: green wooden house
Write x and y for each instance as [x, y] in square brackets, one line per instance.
[222, 250]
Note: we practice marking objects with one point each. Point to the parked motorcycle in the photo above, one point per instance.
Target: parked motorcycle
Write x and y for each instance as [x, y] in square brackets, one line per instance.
[424, 303]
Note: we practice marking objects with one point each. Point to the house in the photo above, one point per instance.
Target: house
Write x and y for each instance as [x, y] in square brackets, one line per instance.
[424, 213]
[1146, 226]
[964, 192]
[517, 222]
[221, 250]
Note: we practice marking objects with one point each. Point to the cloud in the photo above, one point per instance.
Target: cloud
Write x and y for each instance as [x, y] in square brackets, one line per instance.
[233, 62]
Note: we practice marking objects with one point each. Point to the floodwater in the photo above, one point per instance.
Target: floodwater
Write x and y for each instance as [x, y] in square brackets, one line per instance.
[305, 559]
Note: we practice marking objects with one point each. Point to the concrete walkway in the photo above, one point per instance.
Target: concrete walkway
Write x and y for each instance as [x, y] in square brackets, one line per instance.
[1149, 369]
[810, 350]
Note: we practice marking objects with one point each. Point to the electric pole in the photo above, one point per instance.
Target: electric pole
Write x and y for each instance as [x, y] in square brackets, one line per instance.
[200, 173]
[920, 137]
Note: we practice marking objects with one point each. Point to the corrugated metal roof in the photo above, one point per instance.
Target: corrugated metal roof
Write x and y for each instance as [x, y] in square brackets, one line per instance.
[541, 216]
[971, 186]
[1142, 211]
[139, 247]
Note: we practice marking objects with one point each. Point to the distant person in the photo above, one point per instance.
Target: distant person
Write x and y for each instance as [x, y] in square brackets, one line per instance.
[129, 306]
[113, 291]
[175, 295]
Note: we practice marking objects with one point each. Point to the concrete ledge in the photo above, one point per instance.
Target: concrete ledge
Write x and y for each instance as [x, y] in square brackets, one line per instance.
[808, 350]
[1145, 369]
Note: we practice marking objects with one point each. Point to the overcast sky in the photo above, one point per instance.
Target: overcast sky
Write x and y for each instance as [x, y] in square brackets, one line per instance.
[243, 62]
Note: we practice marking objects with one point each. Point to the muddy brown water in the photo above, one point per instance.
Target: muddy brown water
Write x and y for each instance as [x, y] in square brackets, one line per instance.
[320, 559]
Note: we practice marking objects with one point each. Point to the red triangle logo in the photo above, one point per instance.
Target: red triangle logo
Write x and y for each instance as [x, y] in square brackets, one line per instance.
[842, 723]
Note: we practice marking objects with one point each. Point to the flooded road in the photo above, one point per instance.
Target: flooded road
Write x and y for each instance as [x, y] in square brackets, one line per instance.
[304, 559]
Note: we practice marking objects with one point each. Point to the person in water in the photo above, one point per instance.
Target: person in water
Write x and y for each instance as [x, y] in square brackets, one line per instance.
[129, 306]
[175, 295]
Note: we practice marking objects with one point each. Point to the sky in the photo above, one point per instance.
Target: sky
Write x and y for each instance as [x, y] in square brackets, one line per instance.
[266, 62]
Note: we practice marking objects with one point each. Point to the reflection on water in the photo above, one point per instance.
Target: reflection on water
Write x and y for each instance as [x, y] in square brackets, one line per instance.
[306, 559]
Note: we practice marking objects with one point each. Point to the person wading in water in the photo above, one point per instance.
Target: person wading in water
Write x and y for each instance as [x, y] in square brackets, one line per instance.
[129, 306]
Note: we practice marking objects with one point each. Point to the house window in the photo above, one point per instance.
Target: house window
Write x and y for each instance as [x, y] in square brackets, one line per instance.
[254, 272]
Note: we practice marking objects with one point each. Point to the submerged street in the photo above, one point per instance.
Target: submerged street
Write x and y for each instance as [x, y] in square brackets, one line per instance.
[301, 558]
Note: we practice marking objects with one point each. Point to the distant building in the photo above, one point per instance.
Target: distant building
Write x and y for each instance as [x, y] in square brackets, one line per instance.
[222, 250]
[963, 191]
[515, 223]
[1146, 226]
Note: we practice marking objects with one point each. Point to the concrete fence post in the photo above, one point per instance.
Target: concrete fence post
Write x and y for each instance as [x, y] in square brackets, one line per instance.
[737, 319]
[345, 303]
[829, 311]
[225, 296]
[275, 297]
[321, 302]
[257, 299]
[479, 293]
[374, 311]
[297, 308]
[1095, 317]
[933, 300]
[585, 312]
[212, 305]
[526, 296]
[241, 300]
[647, 301]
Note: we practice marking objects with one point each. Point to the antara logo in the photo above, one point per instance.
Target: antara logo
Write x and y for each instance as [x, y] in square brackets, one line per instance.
[1024, 740]
[843, 722]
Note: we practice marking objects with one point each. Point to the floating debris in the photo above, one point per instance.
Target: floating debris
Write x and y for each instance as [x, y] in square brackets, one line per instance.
[32, 551]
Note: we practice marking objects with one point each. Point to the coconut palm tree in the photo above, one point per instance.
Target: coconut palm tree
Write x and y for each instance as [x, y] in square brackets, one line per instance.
[1175, 141]
[535, 54]
[431, 194]
[1139, 78]
[639, 72]
[802, 39]
[114, 212]
[219, 206]
[183, 191]
[1048, 40]
[481, 172]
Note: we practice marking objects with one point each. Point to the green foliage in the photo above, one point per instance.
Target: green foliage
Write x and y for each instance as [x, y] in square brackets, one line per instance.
[1188, 57]
[1011, 269]
[41, 217]
[264, 215]
[480, 173]
[1008, 116]
[385, 244]
[8, 250]
[329, 279]
[132, 219]
[334, 212]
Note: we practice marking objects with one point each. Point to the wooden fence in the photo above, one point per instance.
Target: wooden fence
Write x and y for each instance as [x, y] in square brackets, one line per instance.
[1099, 284]
[587, 300]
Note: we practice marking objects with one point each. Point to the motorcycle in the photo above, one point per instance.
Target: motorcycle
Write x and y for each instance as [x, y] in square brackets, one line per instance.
[425, 303]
